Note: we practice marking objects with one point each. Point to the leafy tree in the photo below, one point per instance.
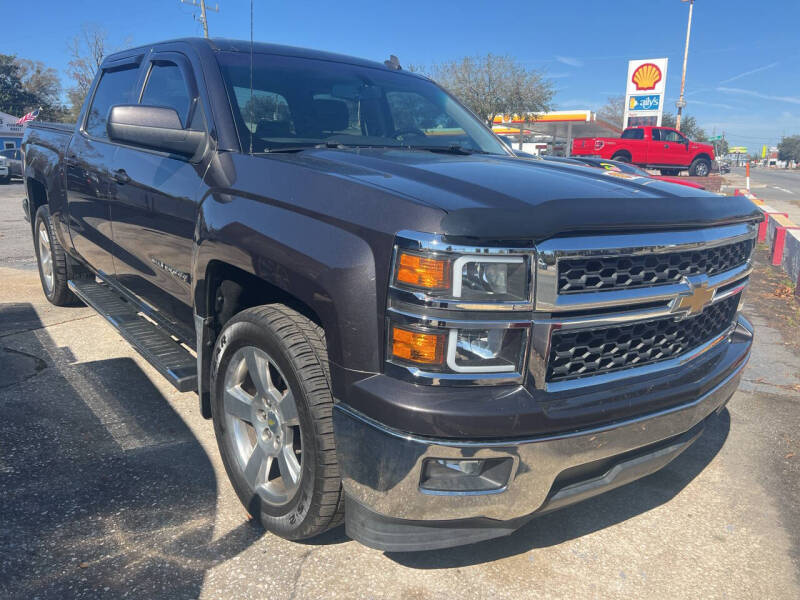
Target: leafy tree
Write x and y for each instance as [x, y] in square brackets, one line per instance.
[789, 148]
[14, 98]
[43, 84]
[689, 126]
[613, 111]
[494, 85]
[26, 85]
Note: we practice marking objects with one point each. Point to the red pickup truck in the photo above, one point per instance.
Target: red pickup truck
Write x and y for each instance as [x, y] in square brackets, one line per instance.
[661, 148]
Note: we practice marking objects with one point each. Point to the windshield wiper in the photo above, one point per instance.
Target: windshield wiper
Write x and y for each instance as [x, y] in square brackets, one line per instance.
[334, 145]
[451, 149]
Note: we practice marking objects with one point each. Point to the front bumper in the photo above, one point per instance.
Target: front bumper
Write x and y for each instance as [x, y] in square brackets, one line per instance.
[4, 172]
[381, 468]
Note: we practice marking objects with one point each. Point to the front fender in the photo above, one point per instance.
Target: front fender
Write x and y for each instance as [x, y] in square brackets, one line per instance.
[326, 267]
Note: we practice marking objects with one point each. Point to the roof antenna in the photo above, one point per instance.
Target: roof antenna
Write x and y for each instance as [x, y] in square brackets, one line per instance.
[393, 63]
[251, 69]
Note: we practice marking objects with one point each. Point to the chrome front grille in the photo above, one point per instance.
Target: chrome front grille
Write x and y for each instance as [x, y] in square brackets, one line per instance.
[576, 275]
[580, 353]
[632, 321]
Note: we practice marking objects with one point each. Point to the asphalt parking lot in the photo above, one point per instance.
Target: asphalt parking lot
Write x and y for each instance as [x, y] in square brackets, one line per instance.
[111, 486]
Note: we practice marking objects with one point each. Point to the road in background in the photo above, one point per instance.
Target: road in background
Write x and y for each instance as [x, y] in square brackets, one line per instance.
[780, 188]
[112, 487]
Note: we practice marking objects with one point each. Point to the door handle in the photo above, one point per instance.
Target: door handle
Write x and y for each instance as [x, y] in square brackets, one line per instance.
[121, 177]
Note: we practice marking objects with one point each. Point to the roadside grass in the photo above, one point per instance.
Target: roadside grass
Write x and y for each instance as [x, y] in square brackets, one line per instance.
[774, 293]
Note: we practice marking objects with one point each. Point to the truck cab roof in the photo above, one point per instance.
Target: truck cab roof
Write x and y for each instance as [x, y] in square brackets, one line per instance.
[232, 45]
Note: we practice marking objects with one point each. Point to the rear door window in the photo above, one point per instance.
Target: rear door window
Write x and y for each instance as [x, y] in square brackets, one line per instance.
[633, 134]
[167, 87]
[656, 134]
[115, 87]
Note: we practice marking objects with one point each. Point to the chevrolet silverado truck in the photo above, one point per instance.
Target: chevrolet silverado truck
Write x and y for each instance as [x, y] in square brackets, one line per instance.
[660, 148]
[390, 319]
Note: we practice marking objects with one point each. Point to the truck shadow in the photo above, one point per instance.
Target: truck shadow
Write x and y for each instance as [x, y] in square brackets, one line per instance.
[591, 515]
[104, 490]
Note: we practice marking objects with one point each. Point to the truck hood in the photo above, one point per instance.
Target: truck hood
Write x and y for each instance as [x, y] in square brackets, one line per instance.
[512, 198]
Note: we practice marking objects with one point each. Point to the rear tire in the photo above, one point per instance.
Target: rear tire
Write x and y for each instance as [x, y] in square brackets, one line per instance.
[701, 167]
[622, 157]
[271, 405]
[52, 260]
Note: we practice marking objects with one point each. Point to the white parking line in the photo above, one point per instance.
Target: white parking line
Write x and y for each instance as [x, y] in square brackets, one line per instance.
[783, 189]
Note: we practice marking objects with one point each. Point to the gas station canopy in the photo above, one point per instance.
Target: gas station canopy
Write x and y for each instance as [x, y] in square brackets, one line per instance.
[561, 126]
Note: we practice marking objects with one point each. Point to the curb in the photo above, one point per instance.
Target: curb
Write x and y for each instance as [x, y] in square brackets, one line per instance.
[783, 237]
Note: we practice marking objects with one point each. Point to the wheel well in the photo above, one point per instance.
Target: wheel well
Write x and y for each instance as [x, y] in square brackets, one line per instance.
[37, 196]
[231, 290]
[228, 291]
[703, 155]
[621, 153]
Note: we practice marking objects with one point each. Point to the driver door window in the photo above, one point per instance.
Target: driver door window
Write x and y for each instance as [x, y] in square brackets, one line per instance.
[166, 87]
[672, 136]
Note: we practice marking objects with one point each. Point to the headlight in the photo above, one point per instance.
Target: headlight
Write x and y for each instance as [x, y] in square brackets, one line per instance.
[468, 278]
[499, 349]
[454, 310]
[485, 350]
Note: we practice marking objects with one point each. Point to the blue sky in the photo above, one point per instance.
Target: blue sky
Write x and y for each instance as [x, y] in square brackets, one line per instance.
[743, 75]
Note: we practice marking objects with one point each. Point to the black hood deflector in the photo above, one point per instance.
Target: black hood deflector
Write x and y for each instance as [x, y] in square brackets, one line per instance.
[596, 215]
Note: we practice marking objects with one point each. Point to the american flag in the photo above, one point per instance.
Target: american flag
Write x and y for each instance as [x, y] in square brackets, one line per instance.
[29, 117]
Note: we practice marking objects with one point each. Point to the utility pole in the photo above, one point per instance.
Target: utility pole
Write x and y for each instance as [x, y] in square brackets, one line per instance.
[203, 8]
[681, 102]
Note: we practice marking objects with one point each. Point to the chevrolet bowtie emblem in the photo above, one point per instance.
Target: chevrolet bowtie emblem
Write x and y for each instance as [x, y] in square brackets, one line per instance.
[696, 299]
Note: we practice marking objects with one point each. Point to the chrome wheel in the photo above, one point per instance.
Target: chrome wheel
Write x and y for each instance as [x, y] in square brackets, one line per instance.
[45, 257]
[261, 418]
[702, 169]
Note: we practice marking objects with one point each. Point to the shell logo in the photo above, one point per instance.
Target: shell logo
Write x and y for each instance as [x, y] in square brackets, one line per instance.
[646, 76]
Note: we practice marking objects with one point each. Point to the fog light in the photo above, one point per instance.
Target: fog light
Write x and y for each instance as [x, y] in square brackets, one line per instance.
[442, 476]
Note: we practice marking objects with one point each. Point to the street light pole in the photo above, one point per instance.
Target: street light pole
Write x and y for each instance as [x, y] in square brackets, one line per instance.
[681, 102]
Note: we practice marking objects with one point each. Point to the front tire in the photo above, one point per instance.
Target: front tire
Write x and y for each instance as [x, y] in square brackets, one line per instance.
[272, 410]
[52, 260]
[701, 167]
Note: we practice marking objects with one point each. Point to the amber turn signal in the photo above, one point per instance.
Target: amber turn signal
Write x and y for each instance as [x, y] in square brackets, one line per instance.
[419, 271]
[418, 347]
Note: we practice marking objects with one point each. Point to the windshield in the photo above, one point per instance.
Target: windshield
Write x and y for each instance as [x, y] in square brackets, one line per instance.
[302, 102]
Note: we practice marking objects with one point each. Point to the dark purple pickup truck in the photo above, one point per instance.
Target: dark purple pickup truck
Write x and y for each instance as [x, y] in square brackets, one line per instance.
[392, 321]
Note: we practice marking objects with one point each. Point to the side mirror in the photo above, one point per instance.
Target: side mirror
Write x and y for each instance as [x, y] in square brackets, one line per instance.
[153, 127]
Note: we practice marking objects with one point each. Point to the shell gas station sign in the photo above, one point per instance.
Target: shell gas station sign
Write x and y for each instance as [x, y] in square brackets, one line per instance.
[644, 94]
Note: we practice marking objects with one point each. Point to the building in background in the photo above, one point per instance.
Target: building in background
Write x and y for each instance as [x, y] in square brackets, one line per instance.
[552, 132]
[10, 132]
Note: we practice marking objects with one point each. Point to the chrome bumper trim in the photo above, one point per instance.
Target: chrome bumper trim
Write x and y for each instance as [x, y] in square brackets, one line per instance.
[386, 477]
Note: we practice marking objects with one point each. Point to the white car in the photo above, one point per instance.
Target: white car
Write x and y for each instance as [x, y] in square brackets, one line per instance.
[5, 176]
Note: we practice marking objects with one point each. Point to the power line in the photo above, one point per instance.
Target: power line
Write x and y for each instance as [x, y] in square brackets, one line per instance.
[202, 18]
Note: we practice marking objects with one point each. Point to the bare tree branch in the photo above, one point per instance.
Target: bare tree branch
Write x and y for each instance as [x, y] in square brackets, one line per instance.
[86, 52]
[493, 85]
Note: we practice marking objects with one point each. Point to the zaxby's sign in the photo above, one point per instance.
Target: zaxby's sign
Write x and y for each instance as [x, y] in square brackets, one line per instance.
[644, 95]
